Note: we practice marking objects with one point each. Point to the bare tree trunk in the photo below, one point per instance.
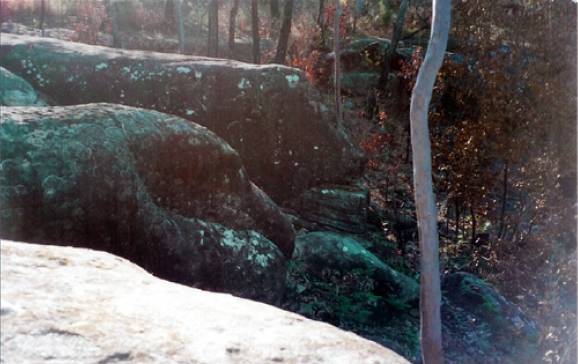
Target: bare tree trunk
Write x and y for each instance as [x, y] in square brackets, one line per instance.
[255, 29]
[275, 9]
[111, 11]
[232, 27]
[430, 291]
[504, 202]
[42, 16]
[320, 17]
[169, 16]
[321, 21]
[180, 25]
[285, 32]
[337, 65]
[213, 41]
[275, 14]
[474, 226]
[396, 36]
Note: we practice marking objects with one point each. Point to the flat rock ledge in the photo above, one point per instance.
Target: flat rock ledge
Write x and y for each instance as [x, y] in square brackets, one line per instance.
[71, 305]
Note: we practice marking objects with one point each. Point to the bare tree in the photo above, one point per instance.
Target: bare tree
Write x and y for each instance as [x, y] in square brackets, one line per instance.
[321, 21]
[337, 65]
[42, 16]
[213, 44]
[320, 14]
[275, 18]
[180, 24]
[430, 291]
[255, 29]
[232, 27]
[285, 32]
[112, 14]
[395, 38]
[275, 13]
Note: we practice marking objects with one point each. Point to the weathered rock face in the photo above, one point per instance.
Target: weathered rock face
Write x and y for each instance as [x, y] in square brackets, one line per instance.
[269, 113]
[15, 91]
[492, 321]
[161, 191]
[81, 306]
[342, 208]
[334, 279]
[319, 251]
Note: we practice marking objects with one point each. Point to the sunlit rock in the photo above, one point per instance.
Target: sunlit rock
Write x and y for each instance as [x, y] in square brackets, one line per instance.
[79, 306]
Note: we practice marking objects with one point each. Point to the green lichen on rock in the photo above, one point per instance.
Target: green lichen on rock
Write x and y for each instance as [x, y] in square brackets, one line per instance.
[15, 91]
[94, 176]
[333, 278]
[269, 113]
[342, 252]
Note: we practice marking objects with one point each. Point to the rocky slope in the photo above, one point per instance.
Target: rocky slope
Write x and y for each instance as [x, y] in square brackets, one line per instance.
[176, 199]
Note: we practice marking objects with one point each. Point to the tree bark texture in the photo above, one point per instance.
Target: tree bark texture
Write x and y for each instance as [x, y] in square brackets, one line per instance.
[430, 291]
[285, 32]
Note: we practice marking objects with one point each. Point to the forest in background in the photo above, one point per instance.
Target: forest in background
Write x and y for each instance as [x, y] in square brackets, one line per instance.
[502, 117]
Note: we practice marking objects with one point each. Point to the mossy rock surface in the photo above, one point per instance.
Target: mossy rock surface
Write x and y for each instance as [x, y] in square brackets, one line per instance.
[15, 91]
[270, 114]
[333, 278]
[500, 327]
[158, 190]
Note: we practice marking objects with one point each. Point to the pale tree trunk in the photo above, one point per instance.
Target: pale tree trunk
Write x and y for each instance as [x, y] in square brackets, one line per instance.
[232, 27]
[180, 25]
[213, 44]
[430, 291]
[396, 36]
[255, 29]
[285, 32]
[337, 65]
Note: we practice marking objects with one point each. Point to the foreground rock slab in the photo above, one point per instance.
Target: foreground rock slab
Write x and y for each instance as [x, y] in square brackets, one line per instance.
[158, 190]
[269, 113]
[70, 305]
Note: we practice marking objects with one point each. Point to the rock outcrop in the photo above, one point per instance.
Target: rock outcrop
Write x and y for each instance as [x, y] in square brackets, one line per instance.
[318, 252]
[337, 208]
[269, 114]
[163, 192]
[15, 91]
[71, 305]
[475, 311]
[333, 278]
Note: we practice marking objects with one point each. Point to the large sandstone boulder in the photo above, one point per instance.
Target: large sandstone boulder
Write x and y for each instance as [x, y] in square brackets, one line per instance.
[76, 306]
[161, 191]
[269, 113]
[15, 91]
